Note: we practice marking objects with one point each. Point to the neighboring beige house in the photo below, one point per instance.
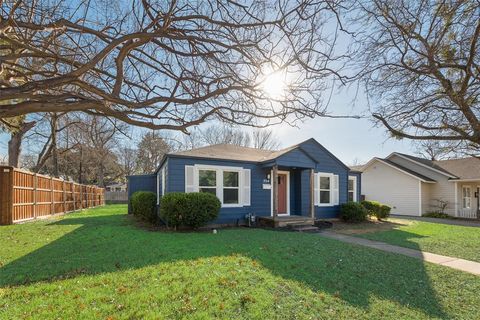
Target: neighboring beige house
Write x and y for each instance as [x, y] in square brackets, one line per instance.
[414, 186]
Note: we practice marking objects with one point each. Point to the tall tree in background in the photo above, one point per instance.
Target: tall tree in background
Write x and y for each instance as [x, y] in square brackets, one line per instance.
[264, 139]
[170, 65]
[420, 63]
[151, 149]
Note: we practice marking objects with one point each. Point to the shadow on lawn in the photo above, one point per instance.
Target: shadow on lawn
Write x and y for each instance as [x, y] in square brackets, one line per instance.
[109, 243]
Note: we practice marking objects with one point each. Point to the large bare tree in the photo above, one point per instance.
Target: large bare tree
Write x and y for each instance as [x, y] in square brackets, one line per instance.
[168, 64]
[420, 63]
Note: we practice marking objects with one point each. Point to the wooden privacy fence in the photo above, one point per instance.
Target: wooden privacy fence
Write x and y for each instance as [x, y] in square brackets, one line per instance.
[25, 196]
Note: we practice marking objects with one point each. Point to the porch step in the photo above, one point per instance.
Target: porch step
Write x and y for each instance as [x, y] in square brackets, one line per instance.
[305, 228]
[287, 221]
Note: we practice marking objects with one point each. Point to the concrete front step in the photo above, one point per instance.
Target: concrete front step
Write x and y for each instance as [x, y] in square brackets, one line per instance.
[285, 221]
[304, 228]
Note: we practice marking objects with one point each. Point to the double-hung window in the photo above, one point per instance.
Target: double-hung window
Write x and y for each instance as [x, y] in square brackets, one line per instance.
[207, 181]
[231, 187]
[325, 189]
[352, 188]
[467, 197]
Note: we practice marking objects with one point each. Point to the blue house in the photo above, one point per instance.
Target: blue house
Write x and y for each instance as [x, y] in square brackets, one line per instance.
[304, 181]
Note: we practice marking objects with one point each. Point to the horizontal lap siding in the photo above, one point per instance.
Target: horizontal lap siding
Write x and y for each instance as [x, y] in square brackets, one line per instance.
[387, 185]
[326, 162]
[295, 158]
[260, 198]
[146, 182]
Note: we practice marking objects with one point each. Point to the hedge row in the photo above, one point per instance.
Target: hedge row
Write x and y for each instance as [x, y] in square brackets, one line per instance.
[358, 211]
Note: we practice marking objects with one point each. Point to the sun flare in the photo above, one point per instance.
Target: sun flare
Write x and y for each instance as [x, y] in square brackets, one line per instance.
[275, 84]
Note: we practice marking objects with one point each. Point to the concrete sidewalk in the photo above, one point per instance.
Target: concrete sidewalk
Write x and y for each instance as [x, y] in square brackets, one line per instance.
[452, 262]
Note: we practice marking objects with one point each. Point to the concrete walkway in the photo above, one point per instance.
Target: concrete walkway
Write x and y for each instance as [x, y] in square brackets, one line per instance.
[455, 263]
[453, 222]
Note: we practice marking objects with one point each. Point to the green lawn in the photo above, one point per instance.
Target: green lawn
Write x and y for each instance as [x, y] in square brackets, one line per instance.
[98, 265]
[455, 241]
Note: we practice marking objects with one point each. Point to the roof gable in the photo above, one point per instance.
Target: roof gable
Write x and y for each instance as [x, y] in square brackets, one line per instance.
[431, 165]
[400, 168]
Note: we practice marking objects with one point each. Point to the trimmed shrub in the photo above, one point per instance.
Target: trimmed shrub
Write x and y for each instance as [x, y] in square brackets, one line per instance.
[353, 212]
[190, 210]
[143, 205]
[377, 209]
[440, 215]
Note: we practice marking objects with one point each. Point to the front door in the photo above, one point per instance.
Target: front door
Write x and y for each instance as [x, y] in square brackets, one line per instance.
[282, 193]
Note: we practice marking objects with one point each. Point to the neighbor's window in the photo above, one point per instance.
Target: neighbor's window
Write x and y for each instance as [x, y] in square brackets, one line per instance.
[325, 189]
[207, 181]
[352, 189]
[230, 187]
[467, 197]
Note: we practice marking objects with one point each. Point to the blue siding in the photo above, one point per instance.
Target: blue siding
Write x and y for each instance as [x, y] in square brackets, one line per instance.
[295, 158]
[326, 162]
[260, 198]
[298, 162]
[146, 182]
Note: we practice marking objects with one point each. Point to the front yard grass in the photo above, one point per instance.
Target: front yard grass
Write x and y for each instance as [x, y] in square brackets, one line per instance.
[450, 240]
[99, 265]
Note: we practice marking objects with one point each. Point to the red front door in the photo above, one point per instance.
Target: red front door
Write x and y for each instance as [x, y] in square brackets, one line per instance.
[282, 193]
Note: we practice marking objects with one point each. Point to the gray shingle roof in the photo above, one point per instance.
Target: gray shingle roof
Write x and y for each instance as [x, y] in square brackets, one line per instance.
[233, 152]
[429, 163]
[464, 168]
[416, 174]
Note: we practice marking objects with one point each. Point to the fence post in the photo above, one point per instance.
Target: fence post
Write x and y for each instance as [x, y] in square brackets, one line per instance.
[74, 197]
[35, 183]
[64, 197]
[52, 197]
[6, 195]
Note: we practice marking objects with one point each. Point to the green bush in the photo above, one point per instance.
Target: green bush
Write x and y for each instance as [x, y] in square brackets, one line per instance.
[376, 209]
[143, 205]
[191, 210]
[440, 215]
[353, 212]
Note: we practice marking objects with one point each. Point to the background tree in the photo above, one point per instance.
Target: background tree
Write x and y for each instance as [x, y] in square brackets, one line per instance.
[170, 64]
[151, 149]
[420, 64]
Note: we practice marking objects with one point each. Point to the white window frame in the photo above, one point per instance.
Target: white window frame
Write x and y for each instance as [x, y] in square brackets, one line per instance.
[327, 175]
[354, 179]
[219, 187]
[164, 179]
[465, 198]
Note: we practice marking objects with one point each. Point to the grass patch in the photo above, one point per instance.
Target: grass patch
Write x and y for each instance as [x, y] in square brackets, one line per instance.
[450, 240]
[97, 264]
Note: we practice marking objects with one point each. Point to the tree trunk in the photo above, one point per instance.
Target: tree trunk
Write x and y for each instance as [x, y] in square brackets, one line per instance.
[15, 143]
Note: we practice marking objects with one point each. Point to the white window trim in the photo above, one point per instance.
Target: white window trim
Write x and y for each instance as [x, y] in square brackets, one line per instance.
[354, 178]
[329, 175]
[219, 174]
[288, 194]
[469, 198]
[158, 188]
[163, 180]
